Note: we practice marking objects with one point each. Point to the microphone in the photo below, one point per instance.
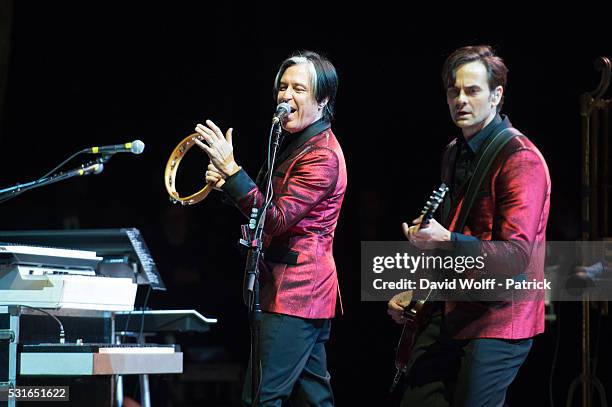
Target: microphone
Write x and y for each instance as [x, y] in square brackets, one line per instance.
[134, 147]
[282, 110]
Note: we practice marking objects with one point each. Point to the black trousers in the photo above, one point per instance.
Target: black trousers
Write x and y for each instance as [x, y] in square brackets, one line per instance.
[293, 362]
[461, 373]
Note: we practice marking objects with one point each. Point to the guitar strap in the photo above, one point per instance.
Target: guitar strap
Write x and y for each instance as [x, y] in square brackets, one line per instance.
[487, 155]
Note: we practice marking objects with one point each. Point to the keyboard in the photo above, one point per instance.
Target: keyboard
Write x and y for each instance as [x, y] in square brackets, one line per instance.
[49, 257]
[70, 359]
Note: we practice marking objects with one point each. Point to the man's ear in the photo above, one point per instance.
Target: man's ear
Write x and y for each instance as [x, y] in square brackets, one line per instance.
[496, 95]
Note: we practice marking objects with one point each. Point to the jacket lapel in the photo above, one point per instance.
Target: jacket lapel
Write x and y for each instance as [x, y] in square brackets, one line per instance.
[292, 148]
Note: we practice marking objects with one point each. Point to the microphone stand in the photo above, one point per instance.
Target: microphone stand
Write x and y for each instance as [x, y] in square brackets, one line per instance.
[253, 241]
[95, 167]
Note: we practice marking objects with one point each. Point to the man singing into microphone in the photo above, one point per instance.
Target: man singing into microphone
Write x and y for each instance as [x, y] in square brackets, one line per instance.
[298, 279]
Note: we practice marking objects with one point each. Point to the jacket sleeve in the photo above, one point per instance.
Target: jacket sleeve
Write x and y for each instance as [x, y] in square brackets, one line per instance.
[311, 179]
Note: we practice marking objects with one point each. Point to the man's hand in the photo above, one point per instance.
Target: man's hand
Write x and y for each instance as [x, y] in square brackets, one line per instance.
[214, 177]
[395, 307]
[218, 148]
[424, 236]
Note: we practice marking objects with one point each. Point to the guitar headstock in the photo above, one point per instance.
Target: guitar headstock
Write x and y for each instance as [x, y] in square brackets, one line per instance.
[432, 204]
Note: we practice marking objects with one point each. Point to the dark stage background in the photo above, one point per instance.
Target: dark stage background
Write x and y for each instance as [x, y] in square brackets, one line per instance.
[81, 76]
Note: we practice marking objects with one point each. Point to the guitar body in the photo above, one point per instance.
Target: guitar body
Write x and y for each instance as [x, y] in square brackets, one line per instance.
[418, 315]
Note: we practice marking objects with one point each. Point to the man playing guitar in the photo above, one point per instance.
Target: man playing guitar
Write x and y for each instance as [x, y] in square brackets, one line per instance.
[469, 352]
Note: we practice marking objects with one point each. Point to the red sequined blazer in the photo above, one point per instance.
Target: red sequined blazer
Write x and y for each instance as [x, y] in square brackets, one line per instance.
[298, 276]
[511, 209]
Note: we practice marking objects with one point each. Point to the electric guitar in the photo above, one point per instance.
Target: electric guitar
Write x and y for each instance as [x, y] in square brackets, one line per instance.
[416, 314]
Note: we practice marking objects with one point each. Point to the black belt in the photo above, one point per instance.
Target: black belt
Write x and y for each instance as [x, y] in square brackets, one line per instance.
[278, 254]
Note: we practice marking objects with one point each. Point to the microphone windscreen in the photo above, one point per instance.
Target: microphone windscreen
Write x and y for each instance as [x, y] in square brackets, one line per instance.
[137, 146]
[283, 107]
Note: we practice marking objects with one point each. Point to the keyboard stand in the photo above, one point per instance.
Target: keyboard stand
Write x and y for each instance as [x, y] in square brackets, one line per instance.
[154, 321]
[145, 394]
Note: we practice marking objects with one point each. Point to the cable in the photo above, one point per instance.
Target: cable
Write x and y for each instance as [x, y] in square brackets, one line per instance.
[32, 185]
[59, 177]
[63, 162]
[269, 189]
[144, 307]
[255, 396]
[270, 193]
[270, 169]
[258, 235]
[127, 320]
[62, 334]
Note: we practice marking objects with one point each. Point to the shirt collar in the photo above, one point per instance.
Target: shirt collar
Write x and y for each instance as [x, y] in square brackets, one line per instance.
[291, 142]
[295, 140]
[479, 138]
[312, 130]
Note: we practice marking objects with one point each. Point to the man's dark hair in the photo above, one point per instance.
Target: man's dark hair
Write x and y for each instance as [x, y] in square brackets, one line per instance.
[324, 80]
[497, 72]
